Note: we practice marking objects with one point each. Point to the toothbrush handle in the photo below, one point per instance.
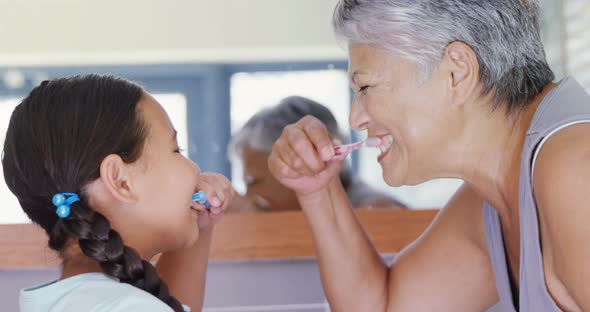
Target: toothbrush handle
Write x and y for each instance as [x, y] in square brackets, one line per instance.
[343, 150]
[201, 198]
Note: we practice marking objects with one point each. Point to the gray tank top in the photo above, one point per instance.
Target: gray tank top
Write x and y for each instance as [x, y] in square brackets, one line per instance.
[565, 105]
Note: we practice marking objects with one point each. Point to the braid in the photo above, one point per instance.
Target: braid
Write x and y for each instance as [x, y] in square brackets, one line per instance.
[100, 242]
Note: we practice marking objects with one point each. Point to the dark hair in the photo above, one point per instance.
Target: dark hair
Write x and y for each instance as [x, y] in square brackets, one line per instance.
[56, 140]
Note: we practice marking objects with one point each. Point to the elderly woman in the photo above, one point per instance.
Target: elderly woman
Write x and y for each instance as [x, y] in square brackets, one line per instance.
[457, 89]
[253, 144]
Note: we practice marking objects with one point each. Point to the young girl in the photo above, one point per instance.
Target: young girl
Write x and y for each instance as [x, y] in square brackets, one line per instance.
[95, 162]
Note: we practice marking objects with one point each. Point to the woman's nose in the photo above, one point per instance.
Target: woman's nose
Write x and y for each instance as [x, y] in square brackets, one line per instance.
[359, 118]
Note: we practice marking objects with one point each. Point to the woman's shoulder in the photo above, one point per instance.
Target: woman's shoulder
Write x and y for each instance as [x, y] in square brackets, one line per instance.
[560, 181]
[89, 292]
[562, 163]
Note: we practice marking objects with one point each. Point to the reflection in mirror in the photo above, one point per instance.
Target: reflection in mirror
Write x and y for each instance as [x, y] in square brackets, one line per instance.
[252, 92]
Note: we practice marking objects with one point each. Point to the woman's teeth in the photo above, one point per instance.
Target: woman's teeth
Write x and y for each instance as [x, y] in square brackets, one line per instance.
[386, 143]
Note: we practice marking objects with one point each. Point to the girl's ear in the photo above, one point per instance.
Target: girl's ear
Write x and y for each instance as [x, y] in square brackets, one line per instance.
[115, 174]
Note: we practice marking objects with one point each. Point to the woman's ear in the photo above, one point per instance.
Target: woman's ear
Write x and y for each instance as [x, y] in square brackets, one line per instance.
[463, 71]
[115, 175]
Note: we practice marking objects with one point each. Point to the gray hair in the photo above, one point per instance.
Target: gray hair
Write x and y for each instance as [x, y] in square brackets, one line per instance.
[262, 130]
[504, 34]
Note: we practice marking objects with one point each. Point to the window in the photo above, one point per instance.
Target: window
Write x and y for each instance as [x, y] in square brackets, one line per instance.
[175, 106]
[575, 21]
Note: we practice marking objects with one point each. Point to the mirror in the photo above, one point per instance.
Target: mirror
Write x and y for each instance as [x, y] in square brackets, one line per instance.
[234, 72]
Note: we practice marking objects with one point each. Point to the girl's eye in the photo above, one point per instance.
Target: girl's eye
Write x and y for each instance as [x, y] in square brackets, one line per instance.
[362, 89]
[179, 150]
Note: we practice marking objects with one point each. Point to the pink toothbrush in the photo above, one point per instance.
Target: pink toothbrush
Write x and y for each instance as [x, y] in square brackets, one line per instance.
[341, 151]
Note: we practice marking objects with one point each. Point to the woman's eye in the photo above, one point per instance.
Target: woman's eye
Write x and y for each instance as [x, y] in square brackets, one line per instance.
[362, 89]
[179, 150]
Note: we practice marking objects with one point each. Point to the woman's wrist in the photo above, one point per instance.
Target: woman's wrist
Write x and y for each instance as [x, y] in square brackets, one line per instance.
[322, 196]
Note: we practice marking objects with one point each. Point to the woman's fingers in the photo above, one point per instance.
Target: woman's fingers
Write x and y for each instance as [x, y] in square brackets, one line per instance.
[319, 137]
[301, 159]
[279, 166]
[301, 144]
[304, 147]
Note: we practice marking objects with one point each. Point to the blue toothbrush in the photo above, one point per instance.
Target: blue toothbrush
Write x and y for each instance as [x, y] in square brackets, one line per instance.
[201, 199]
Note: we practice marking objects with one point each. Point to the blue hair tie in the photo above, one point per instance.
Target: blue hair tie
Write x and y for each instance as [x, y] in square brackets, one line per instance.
[63, 201]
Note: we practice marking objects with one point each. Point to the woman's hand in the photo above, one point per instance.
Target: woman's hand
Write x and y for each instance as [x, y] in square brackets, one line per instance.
[219, 193]
[301, 159]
